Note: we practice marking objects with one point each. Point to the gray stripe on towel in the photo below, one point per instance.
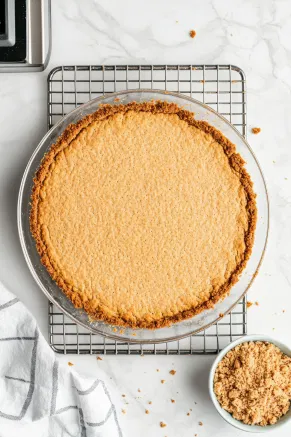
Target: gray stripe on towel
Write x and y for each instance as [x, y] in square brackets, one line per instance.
[114, 410]
[54, 387]
[82, 423]
[70, 407]
[16, 379]
[90, 389]
[110, 411]
[32, 380]
[9, 303]
[17, 338]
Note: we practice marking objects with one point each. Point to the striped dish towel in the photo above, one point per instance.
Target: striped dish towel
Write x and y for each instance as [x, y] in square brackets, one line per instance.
[40, 397]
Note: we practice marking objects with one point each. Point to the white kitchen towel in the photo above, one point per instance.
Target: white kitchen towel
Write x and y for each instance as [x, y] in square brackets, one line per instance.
[34, 385]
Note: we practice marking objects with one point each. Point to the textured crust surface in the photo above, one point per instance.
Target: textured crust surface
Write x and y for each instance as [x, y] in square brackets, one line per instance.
[78, 134]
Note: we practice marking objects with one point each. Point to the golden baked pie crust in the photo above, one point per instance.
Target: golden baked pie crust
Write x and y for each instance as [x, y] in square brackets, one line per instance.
[78, 297]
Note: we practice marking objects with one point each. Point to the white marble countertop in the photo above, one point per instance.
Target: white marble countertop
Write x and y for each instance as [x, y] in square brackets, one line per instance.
[254, 35]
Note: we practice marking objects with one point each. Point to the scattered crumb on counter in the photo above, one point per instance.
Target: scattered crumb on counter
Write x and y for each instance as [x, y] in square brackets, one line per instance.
[249, 304]
[202, 81]
[256, 130]
[200, 423]
[188, 414]
[121, 331]
[99, 358]
[123, 396]
[235, 81]
[114, 329]
[257, 303]
[190, 409]
[162, 425]
[221, 315]
[70, 364]
[117, 99]
[147, 412]
[283, 311]
[163, 381]
[173, 372]
[133, 334]
[192, 33]
[158, 370]
[123, 411]
[150, 402]
[173, 401]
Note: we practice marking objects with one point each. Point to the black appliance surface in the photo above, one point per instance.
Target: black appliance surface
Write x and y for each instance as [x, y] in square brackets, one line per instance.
[13, 31]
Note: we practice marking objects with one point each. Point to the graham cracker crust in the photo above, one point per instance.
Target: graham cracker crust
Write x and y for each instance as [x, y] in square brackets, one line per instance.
[155, 107]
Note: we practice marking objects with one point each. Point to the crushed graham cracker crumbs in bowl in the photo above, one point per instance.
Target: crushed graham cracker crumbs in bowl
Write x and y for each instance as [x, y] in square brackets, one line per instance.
[243, 411]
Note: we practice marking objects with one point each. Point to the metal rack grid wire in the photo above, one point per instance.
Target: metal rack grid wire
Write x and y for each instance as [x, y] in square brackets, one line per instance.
[222, 87]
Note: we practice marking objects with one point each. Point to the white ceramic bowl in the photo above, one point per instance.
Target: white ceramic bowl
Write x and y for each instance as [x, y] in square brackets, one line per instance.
[224, 414]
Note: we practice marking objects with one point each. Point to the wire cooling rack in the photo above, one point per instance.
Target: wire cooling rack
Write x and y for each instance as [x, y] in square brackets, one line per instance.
[222, 87]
